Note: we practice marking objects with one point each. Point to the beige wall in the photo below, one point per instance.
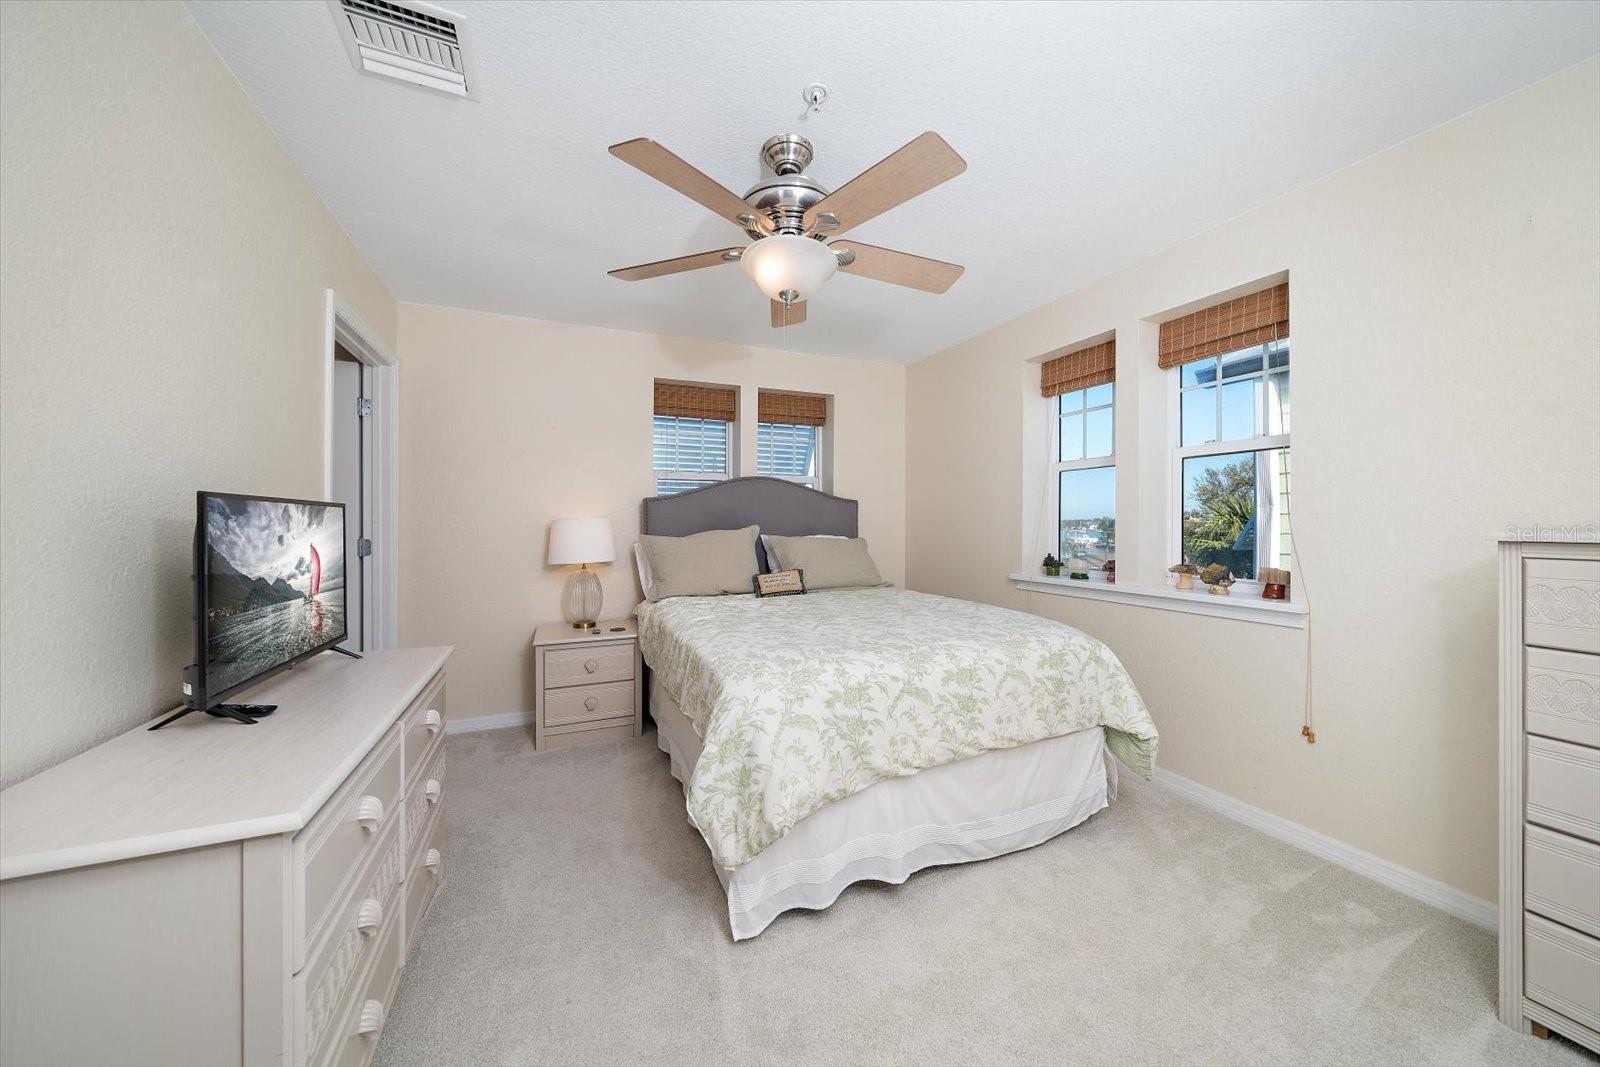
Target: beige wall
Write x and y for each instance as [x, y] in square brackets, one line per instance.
[508, 423]
[1446, 323]
[163, 273]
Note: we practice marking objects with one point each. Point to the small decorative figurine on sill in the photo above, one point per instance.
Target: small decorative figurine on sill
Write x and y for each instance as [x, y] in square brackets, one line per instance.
[1052, 566]
[1217, 579]
[1274, 583]
[1078, 568]
[1184, 574]
[1111, 572]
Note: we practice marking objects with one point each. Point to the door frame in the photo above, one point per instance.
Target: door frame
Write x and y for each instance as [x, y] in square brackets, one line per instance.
[381, 586]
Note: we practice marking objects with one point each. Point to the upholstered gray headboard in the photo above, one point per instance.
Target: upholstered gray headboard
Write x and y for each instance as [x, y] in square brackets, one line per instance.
[778, 507]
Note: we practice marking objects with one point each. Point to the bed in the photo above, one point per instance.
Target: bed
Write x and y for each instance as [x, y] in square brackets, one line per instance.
[867, 733]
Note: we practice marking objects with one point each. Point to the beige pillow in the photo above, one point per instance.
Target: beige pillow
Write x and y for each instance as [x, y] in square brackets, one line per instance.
[702, 564]
[828, 562]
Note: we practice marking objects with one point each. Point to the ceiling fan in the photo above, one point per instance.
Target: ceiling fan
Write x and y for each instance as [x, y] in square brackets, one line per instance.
[790, 216]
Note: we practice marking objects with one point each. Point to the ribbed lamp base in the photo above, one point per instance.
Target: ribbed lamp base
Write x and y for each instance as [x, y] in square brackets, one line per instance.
[581, 598]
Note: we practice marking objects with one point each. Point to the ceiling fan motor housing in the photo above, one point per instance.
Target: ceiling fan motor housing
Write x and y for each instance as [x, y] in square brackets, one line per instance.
[785, 195]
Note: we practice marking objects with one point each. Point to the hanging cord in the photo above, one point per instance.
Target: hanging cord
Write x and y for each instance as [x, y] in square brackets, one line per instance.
[1307, 729]
[1044, 492]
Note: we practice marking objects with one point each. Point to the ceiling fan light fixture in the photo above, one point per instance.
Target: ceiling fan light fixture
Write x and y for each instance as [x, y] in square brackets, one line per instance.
[787, 265]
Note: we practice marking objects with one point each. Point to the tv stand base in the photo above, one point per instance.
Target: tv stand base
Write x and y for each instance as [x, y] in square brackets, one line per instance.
[245, 713]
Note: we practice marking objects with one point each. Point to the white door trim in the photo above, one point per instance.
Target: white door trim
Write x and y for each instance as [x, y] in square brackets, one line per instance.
[343, 325]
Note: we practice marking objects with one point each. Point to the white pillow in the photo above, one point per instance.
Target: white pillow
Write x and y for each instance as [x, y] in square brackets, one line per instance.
[772, 557]
[641, 563]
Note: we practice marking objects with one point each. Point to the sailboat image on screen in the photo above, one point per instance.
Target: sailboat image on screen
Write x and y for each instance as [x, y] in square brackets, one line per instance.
[269, 592]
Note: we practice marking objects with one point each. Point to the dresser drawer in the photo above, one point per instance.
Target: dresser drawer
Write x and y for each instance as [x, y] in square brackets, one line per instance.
[330, 852]
[355, 1037]
[588, 703]
[324, 988]
[588, 665]
[422, 880]
[423, 801]
[1561, 970]
[1561, 695]
[1563, 787]
[1561, 604]
[1561, 879]
[422, 727]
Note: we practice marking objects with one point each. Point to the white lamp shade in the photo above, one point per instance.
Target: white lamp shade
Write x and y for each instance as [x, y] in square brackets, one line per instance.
[786, 262]
[581, 541]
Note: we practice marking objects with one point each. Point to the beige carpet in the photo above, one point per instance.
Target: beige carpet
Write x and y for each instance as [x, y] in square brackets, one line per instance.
[580, 922]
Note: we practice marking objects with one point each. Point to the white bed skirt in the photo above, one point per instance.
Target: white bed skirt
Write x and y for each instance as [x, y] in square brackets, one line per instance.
[974, 809]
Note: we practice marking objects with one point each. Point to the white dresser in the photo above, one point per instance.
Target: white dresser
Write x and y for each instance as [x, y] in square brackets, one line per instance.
[1550, 788]
[214, 893]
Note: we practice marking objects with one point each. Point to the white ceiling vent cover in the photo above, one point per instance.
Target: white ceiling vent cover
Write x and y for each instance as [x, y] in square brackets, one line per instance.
[413, 42]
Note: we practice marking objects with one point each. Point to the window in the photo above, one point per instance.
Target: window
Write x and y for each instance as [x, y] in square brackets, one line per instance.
[1233, 459]
[785, 450]
[689, 452]
[790, 437]
[1085, 474]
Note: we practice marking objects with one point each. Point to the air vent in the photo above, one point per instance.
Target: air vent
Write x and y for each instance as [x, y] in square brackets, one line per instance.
[413, 42]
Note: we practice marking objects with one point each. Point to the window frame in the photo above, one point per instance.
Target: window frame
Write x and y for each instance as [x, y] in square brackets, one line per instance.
[812, 482]
[1259, 444]
[1058, 466]
[657, 476]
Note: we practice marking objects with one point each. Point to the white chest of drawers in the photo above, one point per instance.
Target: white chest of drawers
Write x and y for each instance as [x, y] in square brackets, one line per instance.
[1550, 788]
[218, 894]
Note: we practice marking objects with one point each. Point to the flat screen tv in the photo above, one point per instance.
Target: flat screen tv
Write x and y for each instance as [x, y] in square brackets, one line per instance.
[269, 591]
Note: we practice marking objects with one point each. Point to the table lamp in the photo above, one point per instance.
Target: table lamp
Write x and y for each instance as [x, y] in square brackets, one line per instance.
[581, 541]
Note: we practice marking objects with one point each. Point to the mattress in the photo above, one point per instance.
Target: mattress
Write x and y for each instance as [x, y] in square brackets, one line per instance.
[803, 701]
[973, 809]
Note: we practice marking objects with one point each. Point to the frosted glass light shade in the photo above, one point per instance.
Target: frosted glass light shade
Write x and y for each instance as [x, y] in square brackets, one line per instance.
[786, 262]
[581, 541]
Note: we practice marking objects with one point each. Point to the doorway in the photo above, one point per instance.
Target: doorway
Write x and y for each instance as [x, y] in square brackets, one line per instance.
[359, 453]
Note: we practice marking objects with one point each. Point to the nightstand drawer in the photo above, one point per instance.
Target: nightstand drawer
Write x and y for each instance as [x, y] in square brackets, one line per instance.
[588, 703]
[588, 665]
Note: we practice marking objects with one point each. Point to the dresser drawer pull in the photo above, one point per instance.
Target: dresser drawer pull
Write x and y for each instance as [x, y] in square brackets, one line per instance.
[591, 665]
[432, 720]
[590, 703]
[369, 813]
[369, 916]
[431, 860]
[371, 1020]
[431, 790]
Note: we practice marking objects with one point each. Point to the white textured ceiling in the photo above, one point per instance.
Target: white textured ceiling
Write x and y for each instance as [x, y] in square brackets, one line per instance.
[1095, 134]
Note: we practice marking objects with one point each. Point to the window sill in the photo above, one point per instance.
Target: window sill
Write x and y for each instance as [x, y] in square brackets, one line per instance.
[1188, 602]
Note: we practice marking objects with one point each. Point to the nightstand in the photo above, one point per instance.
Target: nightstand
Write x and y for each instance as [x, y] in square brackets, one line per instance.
[587, 684]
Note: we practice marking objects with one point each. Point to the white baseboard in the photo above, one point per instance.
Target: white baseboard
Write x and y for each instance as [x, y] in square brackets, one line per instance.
[488, 722]
[1429, 891]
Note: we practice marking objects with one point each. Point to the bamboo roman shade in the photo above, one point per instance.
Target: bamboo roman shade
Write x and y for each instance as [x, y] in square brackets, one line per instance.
[791, 409]
[1226, 327]
[696, 401]
[1094, 365]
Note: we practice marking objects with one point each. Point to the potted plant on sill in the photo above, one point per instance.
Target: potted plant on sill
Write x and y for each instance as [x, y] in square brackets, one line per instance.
[1052, 566]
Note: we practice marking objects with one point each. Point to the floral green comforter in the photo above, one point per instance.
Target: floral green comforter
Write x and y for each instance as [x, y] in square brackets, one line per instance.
[804, 700]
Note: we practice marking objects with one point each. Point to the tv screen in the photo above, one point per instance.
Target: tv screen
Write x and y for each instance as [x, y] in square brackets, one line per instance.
[270, 587]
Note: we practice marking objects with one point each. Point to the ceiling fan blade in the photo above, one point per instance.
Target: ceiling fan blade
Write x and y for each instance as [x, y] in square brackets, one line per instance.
[674, 266]
[664, 167]
[792, 315]
[912, 171]
[899, 268]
